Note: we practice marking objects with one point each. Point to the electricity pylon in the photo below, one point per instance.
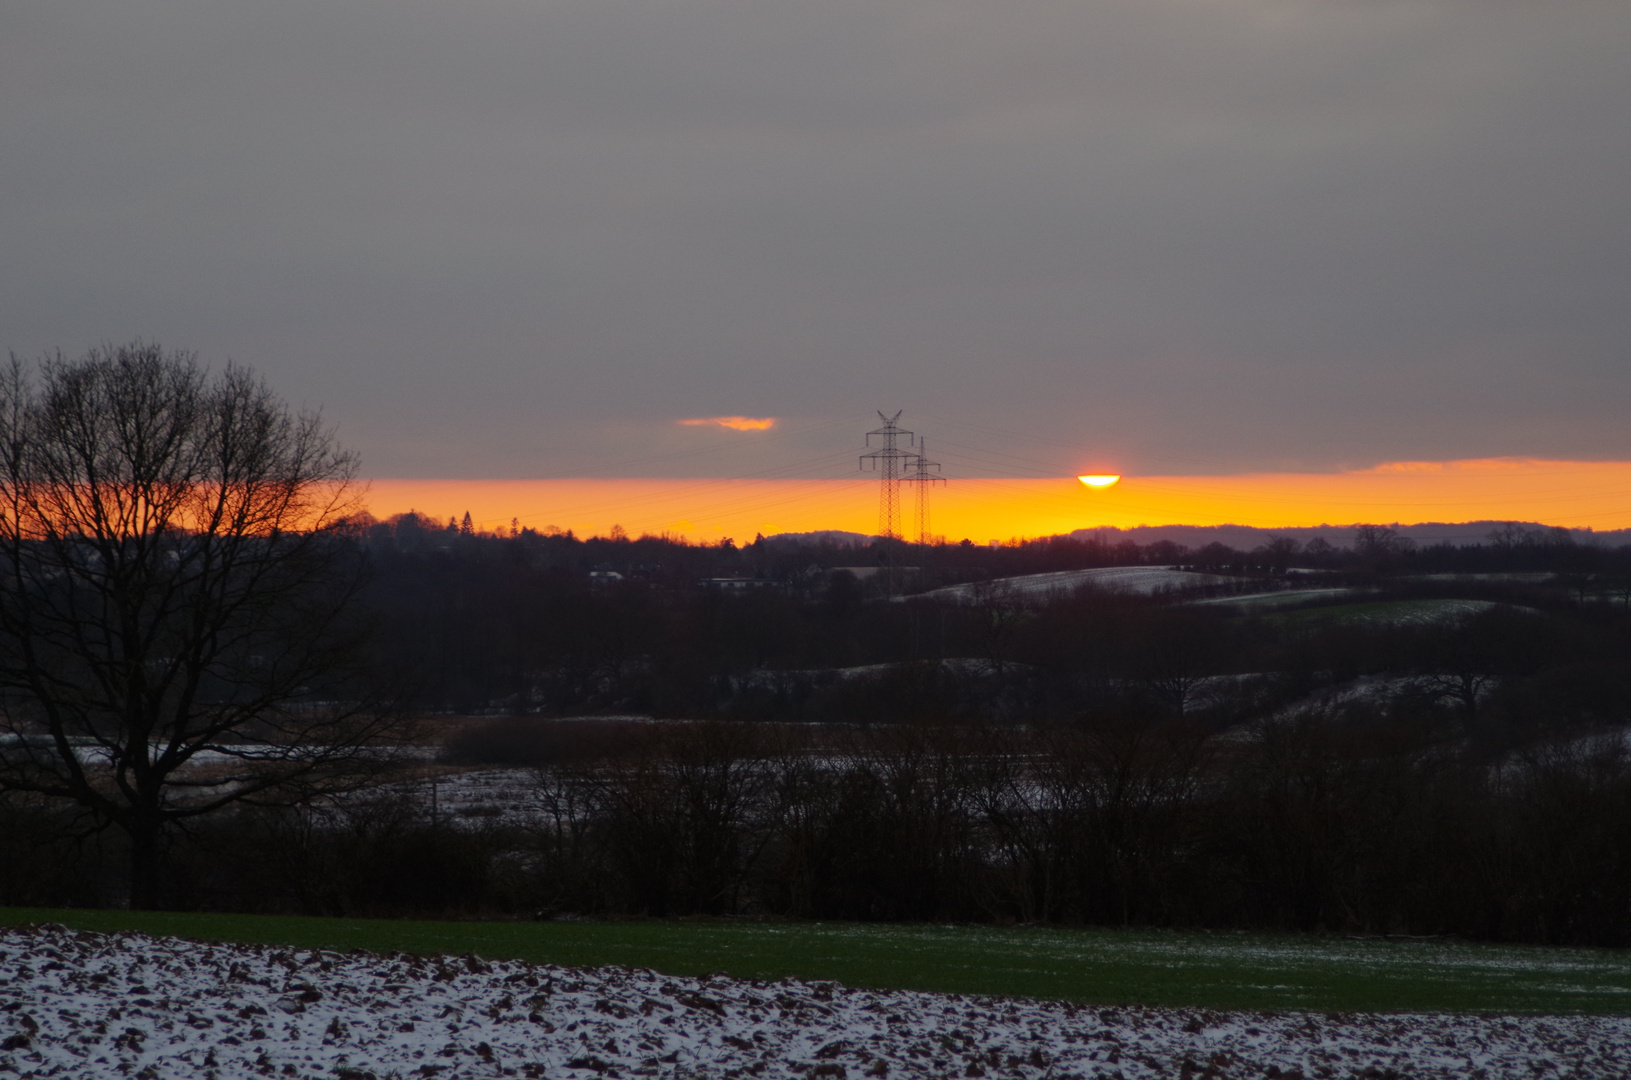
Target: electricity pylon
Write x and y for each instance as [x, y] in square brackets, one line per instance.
[921, 472]
[891, 462]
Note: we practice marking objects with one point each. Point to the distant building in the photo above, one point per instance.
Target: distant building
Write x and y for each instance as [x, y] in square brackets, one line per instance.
[734, 583]
[861, 573]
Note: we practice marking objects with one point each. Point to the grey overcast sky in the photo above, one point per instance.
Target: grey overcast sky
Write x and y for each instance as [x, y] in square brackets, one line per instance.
[524, 238]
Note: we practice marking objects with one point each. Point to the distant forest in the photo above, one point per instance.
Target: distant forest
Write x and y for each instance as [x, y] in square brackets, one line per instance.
[1380, 738]
[557, 625]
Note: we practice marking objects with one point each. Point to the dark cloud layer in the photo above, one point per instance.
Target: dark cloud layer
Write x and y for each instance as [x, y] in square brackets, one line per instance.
[522, 238]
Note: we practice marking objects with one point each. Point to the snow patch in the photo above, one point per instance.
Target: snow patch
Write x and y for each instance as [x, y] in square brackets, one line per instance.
[80, 1004]
[1142, 580]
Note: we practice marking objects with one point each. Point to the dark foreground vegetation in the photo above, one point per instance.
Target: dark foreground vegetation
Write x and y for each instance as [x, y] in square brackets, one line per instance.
[1422, 742]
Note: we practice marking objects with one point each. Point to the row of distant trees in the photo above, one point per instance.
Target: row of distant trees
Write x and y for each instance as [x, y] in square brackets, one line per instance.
[1377, 549]
[1300, 824]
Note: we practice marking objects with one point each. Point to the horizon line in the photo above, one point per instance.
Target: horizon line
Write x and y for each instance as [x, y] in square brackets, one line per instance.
[1563, 494]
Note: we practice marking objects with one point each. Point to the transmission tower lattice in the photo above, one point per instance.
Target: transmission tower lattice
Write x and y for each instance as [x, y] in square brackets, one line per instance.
[921, 472]
[891, 463]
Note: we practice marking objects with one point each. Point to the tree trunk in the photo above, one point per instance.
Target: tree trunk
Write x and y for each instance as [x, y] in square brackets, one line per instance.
[144, 862]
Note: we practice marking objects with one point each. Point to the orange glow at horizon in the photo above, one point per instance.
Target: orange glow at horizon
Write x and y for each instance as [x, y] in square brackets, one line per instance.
[1100, 480]
[735, 423]
[1573, 494]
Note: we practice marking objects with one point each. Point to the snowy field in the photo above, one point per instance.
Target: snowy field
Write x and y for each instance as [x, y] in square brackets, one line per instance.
[1143, 580]
[1273, 601]
[77, 1004]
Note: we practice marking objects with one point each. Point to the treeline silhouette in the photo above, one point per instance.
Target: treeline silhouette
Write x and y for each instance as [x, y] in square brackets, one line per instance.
[1300, 824]
[1444, 754]
[770, 631]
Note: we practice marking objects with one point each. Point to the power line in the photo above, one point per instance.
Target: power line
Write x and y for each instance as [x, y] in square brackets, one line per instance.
[922, 475]
[891, 462]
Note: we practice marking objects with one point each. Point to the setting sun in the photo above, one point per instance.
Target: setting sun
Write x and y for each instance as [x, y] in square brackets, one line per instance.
[1099, 481]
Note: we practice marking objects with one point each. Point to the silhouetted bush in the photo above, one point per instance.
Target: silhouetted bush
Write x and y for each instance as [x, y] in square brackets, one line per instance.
[534, 741]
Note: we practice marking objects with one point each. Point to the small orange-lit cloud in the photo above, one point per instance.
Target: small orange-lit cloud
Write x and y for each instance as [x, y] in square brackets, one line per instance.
[735, 423]
[1099, 480]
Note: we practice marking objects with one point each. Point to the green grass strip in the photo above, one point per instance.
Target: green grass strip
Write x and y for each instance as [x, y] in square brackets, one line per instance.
[1380, 611]
[1108, 967]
